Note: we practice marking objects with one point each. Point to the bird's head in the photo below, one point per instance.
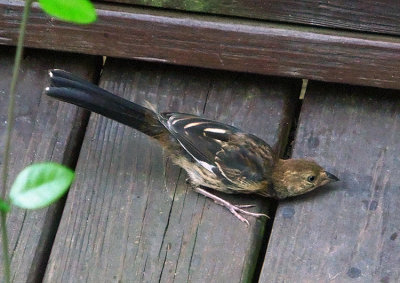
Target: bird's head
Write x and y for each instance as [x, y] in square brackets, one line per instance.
[295, 177]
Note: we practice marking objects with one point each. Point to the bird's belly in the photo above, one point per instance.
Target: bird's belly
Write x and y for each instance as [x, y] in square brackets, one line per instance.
[200, 176]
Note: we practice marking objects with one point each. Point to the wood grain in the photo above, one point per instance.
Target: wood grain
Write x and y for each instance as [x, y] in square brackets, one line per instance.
[130, 217]
[347, 231]
[45, 130]
[379, 16]
[219, 43]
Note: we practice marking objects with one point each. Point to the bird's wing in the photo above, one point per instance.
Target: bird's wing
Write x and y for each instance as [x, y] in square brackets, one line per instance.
[239, 157]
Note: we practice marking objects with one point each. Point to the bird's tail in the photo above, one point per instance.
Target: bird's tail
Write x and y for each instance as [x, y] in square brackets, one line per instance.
[69, 88]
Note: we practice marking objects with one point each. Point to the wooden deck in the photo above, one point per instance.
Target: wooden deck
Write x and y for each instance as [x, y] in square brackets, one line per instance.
[234, 44]
[129, 215]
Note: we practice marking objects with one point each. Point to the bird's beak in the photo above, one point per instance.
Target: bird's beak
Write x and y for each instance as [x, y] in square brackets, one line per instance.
[331, 177]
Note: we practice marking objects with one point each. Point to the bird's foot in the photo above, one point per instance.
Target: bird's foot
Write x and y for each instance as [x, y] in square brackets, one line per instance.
[236, 210]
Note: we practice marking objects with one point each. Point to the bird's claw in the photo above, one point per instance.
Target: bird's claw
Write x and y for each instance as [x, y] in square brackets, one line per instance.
[237, 209]
[245, 205]
[238, 216]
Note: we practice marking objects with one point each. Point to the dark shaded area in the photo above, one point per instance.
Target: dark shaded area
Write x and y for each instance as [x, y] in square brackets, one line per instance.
[367, 16]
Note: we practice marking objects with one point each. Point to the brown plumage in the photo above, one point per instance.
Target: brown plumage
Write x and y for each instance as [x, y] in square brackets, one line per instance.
[214, 155]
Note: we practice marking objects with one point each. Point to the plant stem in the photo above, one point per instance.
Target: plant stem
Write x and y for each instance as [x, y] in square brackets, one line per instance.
[11, 103]
[6, 257]
[10, 126]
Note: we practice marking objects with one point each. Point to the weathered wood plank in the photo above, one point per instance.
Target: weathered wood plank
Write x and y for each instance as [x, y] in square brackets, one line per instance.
[379, 16]
[44, 130]
[346, 232]
[220, 43]
[130, 217]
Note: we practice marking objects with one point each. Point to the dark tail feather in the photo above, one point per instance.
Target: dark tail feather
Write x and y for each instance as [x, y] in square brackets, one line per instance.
[69, 88]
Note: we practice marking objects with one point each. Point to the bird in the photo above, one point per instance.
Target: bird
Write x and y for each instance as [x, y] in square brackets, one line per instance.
[215, 156]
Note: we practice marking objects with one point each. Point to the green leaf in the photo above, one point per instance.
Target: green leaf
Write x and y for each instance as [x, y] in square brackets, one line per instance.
[4, 205]
[40, 185]
[75, 11]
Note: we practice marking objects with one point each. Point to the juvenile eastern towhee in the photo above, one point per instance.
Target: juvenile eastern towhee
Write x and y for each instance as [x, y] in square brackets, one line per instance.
[213, 154]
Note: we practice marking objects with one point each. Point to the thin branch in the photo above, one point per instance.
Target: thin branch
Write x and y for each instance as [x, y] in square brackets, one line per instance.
[10, 126]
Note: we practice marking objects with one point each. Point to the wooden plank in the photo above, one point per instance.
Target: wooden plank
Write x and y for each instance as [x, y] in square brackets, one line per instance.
[130, 217]
[348, 231]
[45, 130]
[220, 43]
[379, 16]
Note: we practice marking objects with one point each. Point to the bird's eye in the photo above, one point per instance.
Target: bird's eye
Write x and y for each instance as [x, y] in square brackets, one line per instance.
[311, 178]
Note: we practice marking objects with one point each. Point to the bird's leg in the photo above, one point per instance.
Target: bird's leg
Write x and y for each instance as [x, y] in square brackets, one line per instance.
[234, 209]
